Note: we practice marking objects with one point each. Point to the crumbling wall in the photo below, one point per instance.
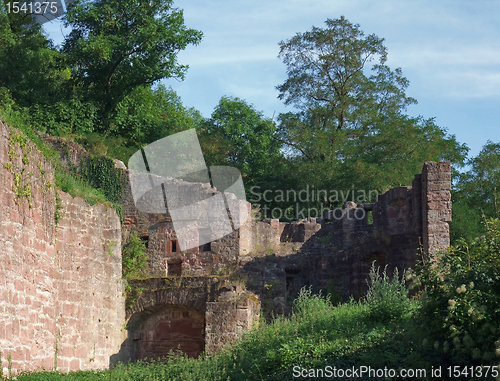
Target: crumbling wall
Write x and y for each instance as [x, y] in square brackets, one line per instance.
[336, 252]
[61, 299]
[191, 314]
[157, 229]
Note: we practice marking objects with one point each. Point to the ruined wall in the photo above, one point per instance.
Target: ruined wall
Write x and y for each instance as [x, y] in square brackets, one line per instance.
[157, 230]
[191, 314]
[337, 251]
[61, 299]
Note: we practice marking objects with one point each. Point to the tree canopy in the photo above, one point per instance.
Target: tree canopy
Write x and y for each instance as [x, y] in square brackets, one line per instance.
[350, 127]
[116, 46]
[476, 194]
[239, 135]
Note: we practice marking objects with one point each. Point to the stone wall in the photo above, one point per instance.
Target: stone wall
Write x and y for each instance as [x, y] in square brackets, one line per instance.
[157, 230]
[191, 314]
[61, 299]
[336, 252]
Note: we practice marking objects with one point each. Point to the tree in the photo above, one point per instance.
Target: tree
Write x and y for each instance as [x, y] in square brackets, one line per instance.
[326, 77]
[147, 115]
[30, 67]
[350, 128]
[239, 135]
[116, 46]
[476, 194]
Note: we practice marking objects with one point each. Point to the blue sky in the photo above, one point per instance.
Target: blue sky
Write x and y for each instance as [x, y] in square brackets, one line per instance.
[448, 49]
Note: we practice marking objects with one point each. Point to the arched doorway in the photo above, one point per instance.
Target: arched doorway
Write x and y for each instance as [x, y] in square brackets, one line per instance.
[158, 330]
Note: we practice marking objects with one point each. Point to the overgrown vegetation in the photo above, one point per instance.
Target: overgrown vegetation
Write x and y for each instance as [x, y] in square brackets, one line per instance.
[134, 258]
[462, 299]
[387, 298]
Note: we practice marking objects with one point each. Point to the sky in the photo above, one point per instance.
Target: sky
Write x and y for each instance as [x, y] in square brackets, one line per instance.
[448, 49]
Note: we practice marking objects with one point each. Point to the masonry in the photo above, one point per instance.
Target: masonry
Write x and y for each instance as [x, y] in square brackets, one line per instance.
[63, 302]
[61, 295]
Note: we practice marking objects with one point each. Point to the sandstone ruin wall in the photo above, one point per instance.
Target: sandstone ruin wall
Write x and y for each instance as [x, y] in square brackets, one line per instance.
[61, 298]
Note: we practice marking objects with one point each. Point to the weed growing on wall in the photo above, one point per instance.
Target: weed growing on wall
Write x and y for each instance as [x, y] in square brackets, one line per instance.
[134, 258]
[100, 172]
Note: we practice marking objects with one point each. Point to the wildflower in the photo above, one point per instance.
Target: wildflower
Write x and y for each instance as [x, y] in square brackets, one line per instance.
[461, 289]
[451, 304]
[471, 284]
[470, 311]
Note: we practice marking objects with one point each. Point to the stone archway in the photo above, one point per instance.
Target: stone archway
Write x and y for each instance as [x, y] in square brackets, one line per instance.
[158, 330]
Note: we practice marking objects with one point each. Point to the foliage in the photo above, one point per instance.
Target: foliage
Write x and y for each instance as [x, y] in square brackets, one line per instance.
[387, 299]
[77, 187]
[116, 46]
[236, 134]
[71, 116]
[32, 70]
[147, 115]
[326, 78]
[477, 192]
[100, 172]
[134, 258]
[462, 299]
[350, 129]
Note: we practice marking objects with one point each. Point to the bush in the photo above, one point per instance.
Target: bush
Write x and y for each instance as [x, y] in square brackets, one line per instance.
[134, 258]
[462, 299]
[387, 299]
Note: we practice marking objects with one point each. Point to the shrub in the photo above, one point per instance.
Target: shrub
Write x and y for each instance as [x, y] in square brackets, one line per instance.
[134, 258]
[462, 299]
[387, 299]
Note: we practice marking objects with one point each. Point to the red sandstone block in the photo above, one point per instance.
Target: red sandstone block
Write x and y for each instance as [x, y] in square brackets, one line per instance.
[36, 216]
[19, 285]
[48, 362]
[82, 351]
[438, 186]
[68, 309]
[40, 246]
[74, 365]
[438, 176]
[443, 195]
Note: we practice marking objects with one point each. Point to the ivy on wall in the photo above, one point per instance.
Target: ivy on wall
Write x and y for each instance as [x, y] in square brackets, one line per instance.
[100, 172]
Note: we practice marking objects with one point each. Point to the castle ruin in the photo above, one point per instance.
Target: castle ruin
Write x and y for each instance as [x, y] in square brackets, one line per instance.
[63, 302]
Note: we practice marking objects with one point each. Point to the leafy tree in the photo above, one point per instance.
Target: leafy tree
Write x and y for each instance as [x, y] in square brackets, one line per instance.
[147, 115]
[326, 77]
[350, 128]
[116, 46]
[30, 68]
[237, 134]
[461, 299]
[477, 193]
